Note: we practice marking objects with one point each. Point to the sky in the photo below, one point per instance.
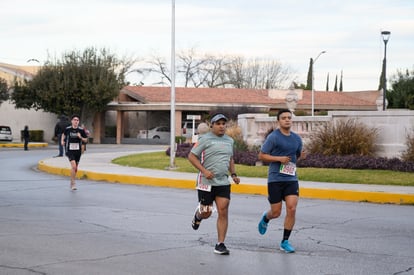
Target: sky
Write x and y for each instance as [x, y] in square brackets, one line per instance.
[290, 32]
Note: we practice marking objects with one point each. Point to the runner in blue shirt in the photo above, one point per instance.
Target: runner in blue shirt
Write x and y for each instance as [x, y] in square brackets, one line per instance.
[281, 150]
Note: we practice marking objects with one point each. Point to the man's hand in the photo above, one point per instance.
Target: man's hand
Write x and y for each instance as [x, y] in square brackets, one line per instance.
[208, 174]
[284, 160]
[235, 178]
[303, 154]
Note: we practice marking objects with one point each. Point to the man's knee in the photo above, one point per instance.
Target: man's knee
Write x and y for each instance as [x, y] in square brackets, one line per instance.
[205, 211]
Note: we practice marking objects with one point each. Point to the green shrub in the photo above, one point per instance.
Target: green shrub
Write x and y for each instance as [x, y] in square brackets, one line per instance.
[301, 113]
[34, 135]
[408, 155]
[110, 131]
[235, 132]
[180, 139]
[348, 137]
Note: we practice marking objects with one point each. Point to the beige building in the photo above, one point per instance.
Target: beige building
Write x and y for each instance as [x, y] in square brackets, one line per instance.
[139, 107]
[18, 118]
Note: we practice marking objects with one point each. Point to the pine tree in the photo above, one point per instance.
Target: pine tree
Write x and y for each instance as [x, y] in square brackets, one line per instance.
[336, 84]
[381, 79]
[327, 83]
[340, 83]
[310, 80]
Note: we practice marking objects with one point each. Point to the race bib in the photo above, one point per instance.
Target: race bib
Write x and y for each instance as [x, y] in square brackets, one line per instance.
[288, 169]
[204, 187]
[73, 146]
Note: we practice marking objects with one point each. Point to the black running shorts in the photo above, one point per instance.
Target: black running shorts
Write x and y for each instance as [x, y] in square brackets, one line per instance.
[279, 190]
[207, 198]
[74, 155]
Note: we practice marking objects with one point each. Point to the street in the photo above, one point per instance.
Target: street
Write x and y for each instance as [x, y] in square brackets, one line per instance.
[107, 228]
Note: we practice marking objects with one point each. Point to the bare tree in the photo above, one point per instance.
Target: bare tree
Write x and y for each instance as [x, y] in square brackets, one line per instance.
[217, 71]
[236, 72]
[190, 66]
[158, 66]
[265, 74]
[222, 71]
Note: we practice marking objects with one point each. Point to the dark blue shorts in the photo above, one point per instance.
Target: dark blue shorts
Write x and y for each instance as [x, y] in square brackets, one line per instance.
[279, 190]
[207, 198]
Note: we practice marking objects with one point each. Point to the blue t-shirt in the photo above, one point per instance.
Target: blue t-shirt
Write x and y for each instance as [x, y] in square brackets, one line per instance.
[214, 153]
[278, 144]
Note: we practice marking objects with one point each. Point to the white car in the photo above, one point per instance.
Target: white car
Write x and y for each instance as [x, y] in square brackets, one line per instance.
[6, 133]
[159, 132]
[187, 129]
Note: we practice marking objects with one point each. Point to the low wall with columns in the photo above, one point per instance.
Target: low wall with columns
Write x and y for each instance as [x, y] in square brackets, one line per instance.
[393, 127]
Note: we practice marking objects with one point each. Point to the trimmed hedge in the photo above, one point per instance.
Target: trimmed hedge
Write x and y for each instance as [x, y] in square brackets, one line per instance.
[34, 135]
[319, 161]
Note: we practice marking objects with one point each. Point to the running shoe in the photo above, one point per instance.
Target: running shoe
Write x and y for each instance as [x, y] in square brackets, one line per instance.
[195, 223]
[221, 249]
[73, 186]
[262, 225]
[285, 246]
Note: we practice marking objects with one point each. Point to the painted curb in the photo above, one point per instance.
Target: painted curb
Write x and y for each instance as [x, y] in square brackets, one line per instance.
[21, 145]
[243, 188]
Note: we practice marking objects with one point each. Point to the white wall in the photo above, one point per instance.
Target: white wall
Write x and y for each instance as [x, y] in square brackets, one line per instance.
[36, 120]
[393, 127]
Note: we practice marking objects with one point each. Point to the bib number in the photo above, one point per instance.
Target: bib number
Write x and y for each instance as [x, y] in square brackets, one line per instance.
[204, 187]
[288, 169]
[73, 146]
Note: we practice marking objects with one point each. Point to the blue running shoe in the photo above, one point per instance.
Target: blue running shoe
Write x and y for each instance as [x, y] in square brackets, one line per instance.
[262, 225]
[285, 246]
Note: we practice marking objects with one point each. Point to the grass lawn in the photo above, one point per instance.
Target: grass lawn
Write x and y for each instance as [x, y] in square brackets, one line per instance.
[160, 161]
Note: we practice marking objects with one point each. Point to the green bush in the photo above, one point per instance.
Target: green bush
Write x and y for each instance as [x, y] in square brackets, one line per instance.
[180, 139]
[301, 113]
[408, 155]
[235, 132]
[110, 131]
[34, 135]
[348, 137]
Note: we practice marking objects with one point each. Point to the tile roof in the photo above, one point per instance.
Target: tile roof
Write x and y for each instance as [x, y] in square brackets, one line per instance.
[153, 94]
[201, 95]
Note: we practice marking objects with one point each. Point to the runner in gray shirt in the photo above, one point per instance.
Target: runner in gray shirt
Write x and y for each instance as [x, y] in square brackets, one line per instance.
[212, 155]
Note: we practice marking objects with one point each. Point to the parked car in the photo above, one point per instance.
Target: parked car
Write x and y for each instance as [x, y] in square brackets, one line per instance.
[158, 132]
[187, 128]
[6, 133]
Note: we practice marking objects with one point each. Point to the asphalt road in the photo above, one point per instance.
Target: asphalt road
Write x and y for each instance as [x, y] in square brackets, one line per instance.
[106, 228]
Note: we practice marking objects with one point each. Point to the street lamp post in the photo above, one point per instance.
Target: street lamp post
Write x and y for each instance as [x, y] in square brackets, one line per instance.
[172, 101]
[385, 38]
[313, 80]
[33, 69]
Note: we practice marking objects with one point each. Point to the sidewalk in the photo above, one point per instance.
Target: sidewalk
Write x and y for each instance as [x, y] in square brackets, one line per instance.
[98, 166]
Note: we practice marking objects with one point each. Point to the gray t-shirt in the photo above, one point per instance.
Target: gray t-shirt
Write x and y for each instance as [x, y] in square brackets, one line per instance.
[214, 153]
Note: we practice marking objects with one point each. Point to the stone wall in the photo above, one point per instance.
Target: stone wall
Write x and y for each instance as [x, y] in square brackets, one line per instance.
[393, 127]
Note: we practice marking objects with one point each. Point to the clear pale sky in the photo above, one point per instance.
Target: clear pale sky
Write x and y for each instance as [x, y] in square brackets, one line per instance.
[289, 31]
